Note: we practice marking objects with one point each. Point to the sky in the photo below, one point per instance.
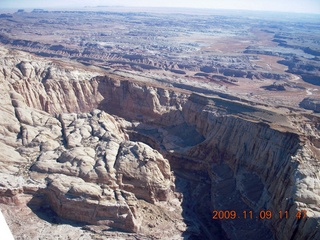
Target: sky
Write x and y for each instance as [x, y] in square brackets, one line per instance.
[304, 6]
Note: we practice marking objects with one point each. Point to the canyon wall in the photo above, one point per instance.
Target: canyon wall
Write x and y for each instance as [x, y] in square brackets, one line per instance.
[253, 166]
[252, 162]
[83, 165]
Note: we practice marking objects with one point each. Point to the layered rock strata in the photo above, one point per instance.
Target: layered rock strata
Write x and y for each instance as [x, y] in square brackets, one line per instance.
[83, 164]
[253, 158]
[311, 103]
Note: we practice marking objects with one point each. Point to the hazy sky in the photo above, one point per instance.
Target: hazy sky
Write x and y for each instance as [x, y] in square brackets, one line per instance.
[311, 6]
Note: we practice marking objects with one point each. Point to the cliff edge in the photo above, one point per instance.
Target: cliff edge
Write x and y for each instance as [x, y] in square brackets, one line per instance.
[121, 155]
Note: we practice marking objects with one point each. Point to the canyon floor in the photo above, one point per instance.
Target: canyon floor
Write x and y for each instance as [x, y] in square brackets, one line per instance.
[120, 123]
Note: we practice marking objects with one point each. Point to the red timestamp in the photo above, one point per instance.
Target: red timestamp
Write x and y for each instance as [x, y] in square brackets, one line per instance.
[262, 214]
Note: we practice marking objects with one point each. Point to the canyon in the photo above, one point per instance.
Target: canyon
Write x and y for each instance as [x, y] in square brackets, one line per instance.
[108, 156]
[159, 124]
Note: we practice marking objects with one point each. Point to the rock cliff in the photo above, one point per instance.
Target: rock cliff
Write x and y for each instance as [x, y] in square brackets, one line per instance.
[254, 166]
[58, 135]
[311, 103]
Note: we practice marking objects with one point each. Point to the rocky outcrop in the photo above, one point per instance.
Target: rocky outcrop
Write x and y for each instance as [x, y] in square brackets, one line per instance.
[57, 90]
[238, 151]
[311, 104]
[81, 164]
[97, 168]
[144, 172]
[101, 172]
[252, 167]
[46, 86]
[75, 199]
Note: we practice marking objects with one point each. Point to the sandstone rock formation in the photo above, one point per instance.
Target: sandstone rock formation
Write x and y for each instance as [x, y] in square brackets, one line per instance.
[80, 163]
[311, 104]
[115, 171]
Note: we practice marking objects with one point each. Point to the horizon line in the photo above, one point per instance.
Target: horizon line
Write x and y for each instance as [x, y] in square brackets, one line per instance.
[159, 7]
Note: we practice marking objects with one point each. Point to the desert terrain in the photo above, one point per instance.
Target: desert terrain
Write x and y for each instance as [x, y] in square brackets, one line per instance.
[126, 123]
